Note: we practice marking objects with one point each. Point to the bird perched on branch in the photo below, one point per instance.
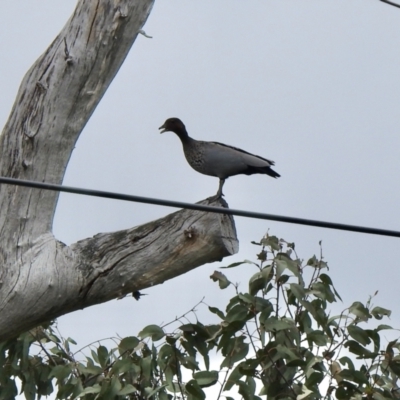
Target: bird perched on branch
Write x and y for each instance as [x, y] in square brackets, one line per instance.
[217, 159]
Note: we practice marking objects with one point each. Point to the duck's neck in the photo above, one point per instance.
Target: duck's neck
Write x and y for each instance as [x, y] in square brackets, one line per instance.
[183, 135]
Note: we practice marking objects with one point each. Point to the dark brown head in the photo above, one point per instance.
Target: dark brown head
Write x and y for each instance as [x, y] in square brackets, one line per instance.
[174, 125]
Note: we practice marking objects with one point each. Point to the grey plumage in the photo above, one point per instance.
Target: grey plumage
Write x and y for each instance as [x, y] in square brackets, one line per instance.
[217, 159]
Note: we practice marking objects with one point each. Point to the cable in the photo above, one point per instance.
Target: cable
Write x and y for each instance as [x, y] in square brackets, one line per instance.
[199, 207]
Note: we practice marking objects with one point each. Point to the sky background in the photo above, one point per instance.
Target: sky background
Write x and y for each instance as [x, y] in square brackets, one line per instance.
[313, 85]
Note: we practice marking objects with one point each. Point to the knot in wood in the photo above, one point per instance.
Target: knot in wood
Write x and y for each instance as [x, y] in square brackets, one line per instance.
[190, 232]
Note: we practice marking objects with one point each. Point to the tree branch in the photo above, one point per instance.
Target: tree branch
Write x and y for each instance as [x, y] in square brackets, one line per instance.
[55, 279]
[55, 100]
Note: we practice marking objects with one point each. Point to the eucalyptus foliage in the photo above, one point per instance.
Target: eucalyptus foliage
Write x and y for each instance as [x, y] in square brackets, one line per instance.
[277, 340]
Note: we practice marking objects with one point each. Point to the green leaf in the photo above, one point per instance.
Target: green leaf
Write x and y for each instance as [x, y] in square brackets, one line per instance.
[153, 331]
[215, 310]
[314, 379]
[29, 389]
[262, 305]
[380, 312]
[298, 291]
[60, 371]
[359, 310]
[236, 353]
[91, 389]
[274, 324]
[223, 281]
[322, 291]
[95, 357]
[374, 335]
[245, 390]
[272, 242]
[260, 280]
[249, 367]
[151, 393]
[313, 363]
[8, 389]
[355, 348]
[236, 264]
[359, 334]
[395, 367]
[246, 298]
[235, 375]
[90, 369]
[237, 313]
[347, 361]
[206, 378]
[71, 340]
[189, 362]
[318, 337]
[296, 363]
[115, 387]
[383, 327]
[195, 390]
[327, 280]
[122, 366]
[283, 262]
[304, 321]
[127, 389]
[353, 375]
[128, 344]
[313, 261]
[102, 353]
[347, 390]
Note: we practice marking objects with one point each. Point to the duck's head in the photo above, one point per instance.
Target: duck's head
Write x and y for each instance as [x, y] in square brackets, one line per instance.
[173, 125]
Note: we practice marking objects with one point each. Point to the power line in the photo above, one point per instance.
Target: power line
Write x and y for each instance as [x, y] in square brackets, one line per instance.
[198, 207]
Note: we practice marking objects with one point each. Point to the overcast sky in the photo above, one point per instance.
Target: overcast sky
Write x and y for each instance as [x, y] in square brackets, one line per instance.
[313, 85]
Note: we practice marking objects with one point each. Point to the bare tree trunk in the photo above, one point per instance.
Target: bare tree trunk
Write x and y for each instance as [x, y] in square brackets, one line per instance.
[40, 278]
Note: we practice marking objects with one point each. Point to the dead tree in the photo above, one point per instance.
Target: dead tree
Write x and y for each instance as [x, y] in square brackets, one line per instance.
[40, 277]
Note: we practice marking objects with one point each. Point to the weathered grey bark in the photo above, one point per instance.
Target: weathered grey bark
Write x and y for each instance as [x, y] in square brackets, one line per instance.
[40, 278]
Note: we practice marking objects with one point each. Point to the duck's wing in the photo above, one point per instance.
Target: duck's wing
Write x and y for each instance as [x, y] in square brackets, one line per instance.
[229, 161]
[251, 158]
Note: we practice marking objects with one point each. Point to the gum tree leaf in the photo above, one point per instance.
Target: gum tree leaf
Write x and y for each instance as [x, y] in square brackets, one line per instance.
[206, 378]
[359, 310]
[260, 280]
[216, 311]
[283, 262]
[236, 264]
[272, 242]
[222, 280]
[195, 390]
[153, 331]
[128, 344]
[380, 312]
[359, 334]
[237, 313]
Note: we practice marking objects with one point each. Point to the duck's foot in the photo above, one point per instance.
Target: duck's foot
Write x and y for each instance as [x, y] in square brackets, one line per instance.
[215, 197]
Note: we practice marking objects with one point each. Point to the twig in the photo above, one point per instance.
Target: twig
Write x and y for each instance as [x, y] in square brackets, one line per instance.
[91, 344]
[50, 357]
[223, 384]
[178, 371]
[193, 309]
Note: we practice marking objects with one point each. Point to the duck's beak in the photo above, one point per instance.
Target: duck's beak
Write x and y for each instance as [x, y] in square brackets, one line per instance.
[163, 129]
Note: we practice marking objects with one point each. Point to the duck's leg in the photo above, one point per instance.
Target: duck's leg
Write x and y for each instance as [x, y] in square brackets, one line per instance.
[219, 193]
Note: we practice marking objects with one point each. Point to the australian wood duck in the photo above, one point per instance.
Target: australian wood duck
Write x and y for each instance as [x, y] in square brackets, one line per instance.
[217, 159]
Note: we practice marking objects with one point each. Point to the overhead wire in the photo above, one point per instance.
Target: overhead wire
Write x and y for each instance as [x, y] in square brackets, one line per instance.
[198, 207]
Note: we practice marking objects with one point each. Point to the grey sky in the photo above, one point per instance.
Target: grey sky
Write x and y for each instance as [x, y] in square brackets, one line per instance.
[312, 85]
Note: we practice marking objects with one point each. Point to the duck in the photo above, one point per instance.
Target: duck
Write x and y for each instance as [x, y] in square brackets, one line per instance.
[217, 159]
